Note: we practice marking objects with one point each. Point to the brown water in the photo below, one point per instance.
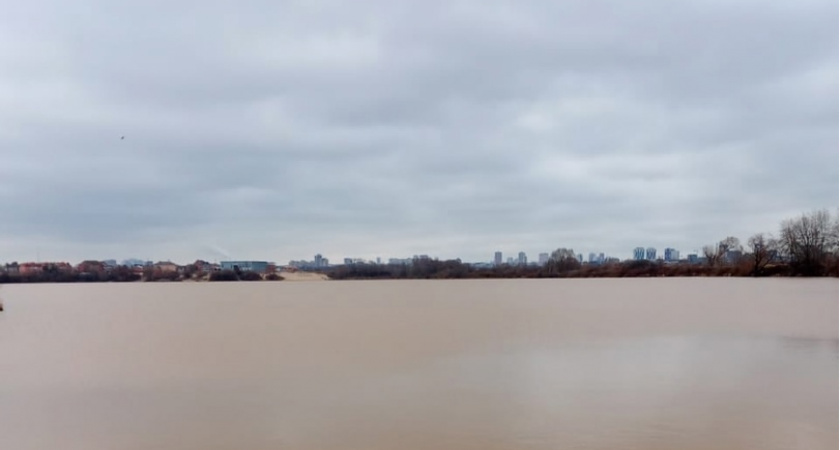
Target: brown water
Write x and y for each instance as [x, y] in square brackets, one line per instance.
[542, 364]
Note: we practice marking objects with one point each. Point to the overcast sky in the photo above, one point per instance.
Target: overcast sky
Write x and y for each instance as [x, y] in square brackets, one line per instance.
[278, 129]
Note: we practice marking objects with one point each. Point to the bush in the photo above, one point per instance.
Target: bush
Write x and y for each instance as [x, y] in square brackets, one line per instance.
[250, 276]
[224, 275]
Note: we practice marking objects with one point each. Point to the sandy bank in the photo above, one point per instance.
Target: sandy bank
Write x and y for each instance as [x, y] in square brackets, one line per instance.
[303, 276]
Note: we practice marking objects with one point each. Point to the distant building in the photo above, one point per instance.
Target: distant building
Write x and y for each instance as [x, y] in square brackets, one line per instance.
[580, 258]
[511, 261]
[33, 268]
[12, 268]
[671, 255]
[543, 258]
[204, 266]
[351, 261]
[399, 261]
[523, 259]
[593, 258]
[692, 258]
[497, 258]
[166, 266]
[650, 254]
[601, 258]
[245, 266]
[733, 256]
[91, 267]
[319, 261]
[639, 253]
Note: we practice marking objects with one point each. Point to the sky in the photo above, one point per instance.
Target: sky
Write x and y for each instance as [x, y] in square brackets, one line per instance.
[274, 130]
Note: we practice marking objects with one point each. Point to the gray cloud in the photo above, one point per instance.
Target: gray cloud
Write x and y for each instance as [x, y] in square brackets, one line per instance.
[279, 129]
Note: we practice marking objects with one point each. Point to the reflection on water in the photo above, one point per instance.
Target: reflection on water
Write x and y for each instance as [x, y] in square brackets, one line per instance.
[419, 366]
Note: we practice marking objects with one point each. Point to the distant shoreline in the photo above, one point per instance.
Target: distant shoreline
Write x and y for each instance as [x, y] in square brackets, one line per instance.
[86, 278]
[635, 269]
[447, 270]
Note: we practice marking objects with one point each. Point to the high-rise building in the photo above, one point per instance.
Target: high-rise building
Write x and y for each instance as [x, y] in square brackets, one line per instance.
[671, 255]
[399, 261]
[497, 258]
[732, 256]
[650, 254]
[639, 253]
[319, 260]
[522, 259]
[580, 258]
[543, 258]
[511, 261]
[593, 258]
[601, 258]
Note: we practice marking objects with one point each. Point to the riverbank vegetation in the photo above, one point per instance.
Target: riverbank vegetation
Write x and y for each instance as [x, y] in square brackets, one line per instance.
[51, 273]
[806, 246]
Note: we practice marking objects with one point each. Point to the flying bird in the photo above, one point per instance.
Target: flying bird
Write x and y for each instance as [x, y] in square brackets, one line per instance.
[122, 137]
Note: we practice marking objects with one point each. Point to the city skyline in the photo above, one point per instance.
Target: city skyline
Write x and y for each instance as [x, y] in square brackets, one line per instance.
[319, 260]
[210, 253]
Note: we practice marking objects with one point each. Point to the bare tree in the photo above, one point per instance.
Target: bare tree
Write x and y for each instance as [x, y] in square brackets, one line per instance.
[712, 254]
[731, 243]
[762, 251]
[715, 254]
[562, 260]
[808, 241]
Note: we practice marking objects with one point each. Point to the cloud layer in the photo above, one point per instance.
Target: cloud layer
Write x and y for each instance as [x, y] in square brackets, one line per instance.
[276, 130]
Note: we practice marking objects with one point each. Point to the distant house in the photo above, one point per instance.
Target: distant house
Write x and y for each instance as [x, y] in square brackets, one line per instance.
[90, 267]
[34, 268]
[166, 266]
[203, 266]
[64, 267]
[13, 268]
[30, 268]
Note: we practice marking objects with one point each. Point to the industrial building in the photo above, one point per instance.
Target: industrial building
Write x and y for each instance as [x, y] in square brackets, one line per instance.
[245, 266]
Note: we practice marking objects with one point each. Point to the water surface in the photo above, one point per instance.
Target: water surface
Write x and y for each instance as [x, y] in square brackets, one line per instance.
[479, 364]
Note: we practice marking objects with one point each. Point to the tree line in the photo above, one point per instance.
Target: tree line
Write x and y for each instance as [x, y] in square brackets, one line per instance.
[52, 273]
[805, 246]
